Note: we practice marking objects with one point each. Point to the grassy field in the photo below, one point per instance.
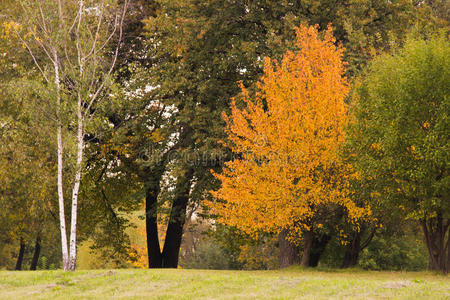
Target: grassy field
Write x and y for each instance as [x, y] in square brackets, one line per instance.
[208, 284]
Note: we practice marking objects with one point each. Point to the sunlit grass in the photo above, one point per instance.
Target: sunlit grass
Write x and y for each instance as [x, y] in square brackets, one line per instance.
[206, 284]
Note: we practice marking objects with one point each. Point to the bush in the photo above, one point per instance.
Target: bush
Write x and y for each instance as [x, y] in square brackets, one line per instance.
[397, 252]
[207, 255]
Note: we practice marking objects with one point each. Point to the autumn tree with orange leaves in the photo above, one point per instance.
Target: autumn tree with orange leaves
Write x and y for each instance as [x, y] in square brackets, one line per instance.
[287, 138]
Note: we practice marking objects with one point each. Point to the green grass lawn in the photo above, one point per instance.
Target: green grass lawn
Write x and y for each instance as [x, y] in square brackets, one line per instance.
[207, 284]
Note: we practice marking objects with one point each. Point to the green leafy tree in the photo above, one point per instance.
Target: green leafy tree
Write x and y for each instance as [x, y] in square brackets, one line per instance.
[27, 193]
[403, 149]
[26, 170]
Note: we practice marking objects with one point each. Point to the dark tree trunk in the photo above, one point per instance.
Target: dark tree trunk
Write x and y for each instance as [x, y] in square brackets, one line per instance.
[151, 223]
[352, 250]
[174, 232]
[155, 259]
[168, 258]
[314, 246]
[289, 252]
[436, 232]
[448, 253]
[20, 257]
[308, 241]
[319, 243]
[355, 247]
[37, 251]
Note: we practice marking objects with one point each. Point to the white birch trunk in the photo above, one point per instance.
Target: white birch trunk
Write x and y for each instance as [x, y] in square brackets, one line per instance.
[62, 216]
[78, 167]
[76, 185]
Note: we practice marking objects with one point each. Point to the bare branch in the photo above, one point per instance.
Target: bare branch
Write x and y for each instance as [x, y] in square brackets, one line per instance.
[116, 54]
[97, 32]
[110, 36]
[47, 52]
[77, 33]
[43, 18]
[32, 56]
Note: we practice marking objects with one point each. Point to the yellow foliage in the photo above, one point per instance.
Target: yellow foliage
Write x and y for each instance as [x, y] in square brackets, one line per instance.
[376, 146]
[288, 136]
[139, 255]
[10, 27]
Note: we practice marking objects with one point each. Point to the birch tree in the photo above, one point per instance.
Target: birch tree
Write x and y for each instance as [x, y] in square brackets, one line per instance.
[74, 45]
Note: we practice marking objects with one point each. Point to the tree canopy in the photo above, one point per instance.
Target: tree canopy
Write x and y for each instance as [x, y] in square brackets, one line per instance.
[403, 143]
[287, 139]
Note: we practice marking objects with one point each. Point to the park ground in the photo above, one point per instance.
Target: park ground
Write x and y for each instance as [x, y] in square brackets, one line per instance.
[293, 283]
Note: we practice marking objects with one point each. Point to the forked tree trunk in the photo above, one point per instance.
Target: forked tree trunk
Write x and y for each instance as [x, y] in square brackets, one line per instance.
[20, 256]
[177, 219]
[289, 252]
[37, 251]
[437, 236]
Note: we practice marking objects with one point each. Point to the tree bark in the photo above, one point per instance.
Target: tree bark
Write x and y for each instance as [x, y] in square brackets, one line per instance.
[76, 186]
[289, 252]
[448, 253]
[308, 240]
[20, 257]
[37, 251]
[177, 219]
[436, 233]
[352, 250]
[62, 216]
[151, 221]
